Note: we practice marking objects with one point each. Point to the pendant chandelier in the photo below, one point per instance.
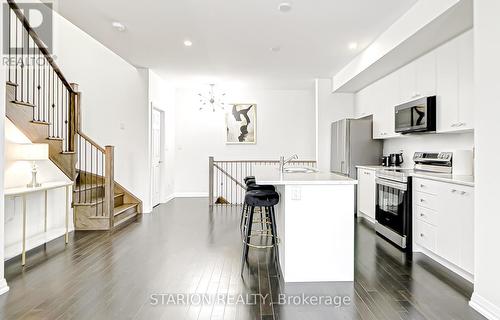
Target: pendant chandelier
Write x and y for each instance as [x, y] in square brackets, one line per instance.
[212, 100]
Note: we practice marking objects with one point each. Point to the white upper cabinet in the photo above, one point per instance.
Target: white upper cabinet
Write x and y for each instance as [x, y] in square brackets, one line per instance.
[386, 99]
[407, 83]
[446, 72]
[455, 102]
[364, 102]
[466, 81]
[417, 79]
[425, 74]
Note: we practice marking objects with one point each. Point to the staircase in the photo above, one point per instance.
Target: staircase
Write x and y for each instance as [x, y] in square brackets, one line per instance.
[46, 108]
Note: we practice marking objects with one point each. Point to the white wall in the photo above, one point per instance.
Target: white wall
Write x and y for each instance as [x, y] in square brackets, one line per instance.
[428, 142]
[285, 125]
[486, 297]
[162, 96]
[114, 102]
[3, 284]
[330, 107]
[18, 174]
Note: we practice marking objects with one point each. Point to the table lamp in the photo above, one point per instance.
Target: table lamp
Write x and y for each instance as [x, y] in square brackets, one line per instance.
[32, 152]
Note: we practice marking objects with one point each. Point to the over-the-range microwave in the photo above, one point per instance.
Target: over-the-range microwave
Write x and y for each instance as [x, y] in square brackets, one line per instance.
[416, 116]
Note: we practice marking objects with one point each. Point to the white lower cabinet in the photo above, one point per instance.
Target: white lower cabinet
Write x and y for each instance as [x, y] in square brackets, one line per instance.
[443, 220]
[366, 193]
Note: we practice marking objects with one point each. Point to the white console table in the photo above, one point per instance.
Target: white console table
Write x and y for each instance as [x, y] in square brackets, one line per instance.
[29, 243]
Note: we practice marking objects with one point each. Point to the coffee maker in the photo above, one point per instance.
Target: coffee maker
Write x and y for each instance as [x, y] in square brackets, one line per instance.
[396, 159]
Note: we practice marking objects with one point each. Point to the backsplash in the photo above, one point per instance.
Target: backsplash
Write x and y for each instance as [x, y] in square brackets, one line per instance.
[410, 144]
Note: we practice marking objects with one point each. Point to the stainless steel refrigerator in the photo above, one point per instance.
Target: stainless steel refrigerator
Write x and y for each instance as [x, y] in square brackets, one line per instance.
[352, 144]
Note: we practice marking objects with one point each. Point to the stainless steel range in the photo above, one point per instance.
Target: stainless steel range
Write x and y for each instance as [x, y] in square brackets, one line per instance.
[439, 162]
[393, 209]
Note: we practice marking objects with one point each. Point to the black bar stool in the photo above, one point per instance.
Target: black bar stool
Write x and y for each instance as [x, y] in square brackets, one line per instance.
[251, 186]
[266, 200]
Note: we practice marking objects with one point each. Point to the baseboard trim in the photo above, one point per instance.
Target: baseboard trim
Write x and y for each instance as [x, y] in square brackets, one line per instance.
[367, 218]
[169, 198]
[3, 286]
[445, 263]
[190, 195]
[484, 307]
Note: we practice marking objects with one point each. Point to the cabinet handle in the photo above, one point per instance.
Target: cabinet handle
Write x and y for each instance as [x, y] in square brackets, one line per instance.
[453, 190]
[422, 186]
[421, 235]
[422, 214]
[422, 200]
[463, 193]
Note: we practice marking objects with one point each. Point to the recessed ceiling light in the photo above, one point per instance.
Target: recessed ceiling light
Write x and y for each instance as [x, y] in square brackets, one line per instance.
[353, 45]
[275, 49]
[285, 7]
[188, 43]
[118, 26]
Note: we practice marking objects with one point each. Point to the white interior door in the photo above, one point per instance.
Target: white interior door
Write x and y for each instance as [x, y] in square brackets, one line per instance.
[156, 157]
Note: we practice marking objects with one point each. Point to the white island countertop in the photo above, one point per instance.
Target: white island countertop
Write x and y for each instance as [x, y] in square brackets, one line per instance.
[271, 175]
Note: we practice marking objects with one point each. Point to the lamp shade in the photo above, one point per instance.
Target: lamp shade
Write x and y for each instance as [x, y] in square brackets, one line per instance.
[31, 151]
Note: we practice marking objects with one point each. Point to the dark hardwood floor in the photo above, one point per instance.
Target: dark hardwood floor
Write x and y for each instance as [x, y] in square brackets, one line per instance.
[183, 248]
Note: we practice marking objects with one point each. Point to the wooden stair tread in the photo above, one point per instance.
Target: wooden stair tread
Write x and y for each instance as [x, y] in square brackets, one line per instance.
[40, 122]
[85, 187]
[68, 152]
[124, 218]
[10, 83]
[124, 207]
[55, 138]
[99, 200]
[22, 103]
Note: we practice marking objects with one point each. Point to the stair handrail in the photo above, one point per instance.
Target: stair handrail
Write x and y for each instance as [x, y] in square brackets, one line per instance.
[74, 118]
[41, 46]
[92, 142]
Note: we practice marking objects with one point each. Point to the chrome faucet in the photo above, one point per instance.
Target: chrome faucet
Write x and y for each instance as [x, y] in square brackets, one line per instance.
[283, 162]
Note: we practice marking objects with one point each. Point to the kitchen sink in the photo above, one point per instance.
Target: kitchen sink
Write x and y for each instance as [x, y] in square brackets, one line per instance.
[300, 170]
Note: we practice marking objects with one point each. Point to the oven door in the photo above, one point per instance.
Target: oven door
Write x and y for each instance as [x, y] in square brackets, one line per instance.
[391, 209]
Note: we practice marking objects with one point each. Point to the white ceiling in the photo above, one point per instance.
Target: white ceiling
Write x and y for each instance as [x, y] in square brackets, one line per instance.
[232, 39]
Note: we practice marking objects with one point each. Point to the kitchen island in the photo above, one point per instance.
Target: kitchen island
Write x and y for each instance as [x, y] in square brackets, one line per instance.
[315, 224]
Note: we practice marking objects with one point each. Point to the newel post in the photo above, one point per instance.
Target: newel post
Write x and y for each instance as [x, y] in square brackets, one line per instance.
[109, 184]
[73, 116]
[210, 181]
